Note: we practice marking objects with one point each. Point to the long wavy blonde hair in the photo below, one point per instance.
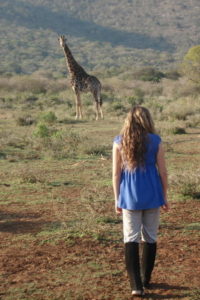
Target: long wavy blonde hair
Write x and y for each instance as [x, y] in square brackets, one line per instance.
[137, 125]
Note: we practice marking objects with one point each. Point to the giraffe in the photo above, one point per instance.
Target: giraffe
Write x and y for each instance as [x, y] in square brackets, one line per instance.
[81, 82]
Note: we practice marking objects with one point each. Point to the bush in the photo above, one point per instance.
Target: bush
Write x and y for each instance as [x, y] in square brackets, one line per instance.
[193, 120]
[48, 117]
[54, 143]
[31, 99]
[25, 83]
[188, 189]
[173, 75]
[64, 144]
[25, 121]
[107, 97]
[167, 128]
[73, 140]
[96, 150]
[2, 155]
[29, 176]
[117, 106]
[149, 74]
[132, 100]
[191, 64]
[178, 130]
[42, 131]
[187, 184]
[138, 97]
[181, 109]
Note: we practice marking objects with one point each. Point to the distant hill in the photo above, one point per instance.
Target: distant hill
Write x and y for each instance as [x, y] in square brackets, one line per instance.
[102, 34]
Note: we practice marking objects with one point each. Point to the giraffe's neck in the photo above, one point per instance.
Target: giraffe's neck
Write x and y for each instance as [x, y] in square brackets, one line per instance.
[73, 67]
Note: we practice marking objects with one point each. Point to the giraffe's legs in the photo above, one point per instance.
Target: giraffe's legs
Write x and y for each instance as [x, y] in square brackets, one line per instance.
[79, 114]
[98, 103]
[101, 112]
[80, 111]
[97, 110]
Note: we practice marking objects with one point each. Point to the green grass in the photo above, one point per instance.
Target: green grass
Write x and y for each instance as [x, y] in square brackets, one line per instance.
[193, 226]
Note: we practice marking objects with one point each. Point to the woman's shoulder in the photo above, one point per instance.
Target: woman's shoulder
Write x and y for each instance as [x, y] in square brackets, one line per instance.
[155, 138]
[117, 139]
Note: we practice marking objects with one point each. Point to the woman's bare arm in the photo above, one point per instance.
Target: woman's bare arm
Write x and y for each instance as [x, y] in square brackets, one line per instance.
[116, 174]
[163, 173]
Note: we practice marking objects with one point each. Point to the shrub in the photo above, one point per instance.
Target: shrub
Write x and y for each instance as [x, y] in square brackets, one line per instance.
[29, 176]
[48, 117]
[139, 93]
[33, 85]
[72, 140]
[55, 100]
[149, 74]
[187, 184]
[31, 99]
[137, 98]
[178, 130]
[191, 64]
[2, 155]
[193, 120]
[173, 75]
[188, 188]
[117, 106]
[181, 109]
[25, 121]
[166, 127]
[65, 144]
[42, 131]
[96, 150]
[132, 100]
[55, 146]
[107, 97]
[6, 103]
[54, 143]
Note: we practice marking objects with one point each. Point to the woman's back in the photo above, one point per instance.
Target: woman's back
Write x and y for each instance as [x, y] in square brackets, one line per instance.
[153, 141]
[141, 187]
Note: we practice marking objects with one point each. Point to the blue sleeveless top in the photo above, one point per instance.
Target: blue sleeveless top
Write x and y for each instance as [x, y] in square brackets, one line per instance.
[141, 188]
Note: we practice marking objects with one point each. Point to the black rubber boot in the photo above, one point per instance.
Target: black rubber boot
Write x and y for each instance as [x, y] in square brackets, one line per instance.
[133, 266]
[148, 260]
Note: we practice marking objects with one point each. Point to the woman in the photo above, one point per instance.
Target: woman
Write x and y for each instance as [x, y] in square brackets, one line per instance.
[140, 189]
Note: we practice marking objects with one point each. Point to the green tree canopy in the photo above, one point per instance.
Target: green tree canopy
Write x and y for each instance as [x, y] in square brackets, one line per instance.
[191, 64]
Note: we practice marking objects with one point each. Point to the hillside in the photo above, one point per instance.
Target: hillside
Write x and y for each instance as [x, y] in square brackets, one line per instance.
[102, 34]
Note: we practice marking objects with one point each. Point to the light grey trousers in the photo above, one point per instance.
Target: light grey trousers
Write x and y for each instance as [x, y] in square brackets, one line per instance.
[141, 225]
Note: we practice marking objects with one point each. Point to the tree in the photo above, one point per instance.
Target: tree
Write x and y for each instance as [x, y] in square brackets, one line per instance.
[149, 74]
[191, 64]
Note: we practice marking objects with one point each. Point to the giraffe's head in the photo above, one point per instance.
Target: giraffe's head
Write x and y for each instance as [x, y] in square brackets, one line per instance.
[62, 40]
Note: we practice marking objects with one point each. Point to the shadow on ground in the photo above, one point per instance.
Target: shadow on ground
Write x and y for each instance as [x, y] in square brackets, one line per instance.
[179, 291]
[22, 223]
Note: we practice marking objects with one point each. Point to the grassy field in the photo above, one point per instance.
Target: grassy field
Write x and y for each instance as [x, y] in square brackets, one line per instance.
[60, 237]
